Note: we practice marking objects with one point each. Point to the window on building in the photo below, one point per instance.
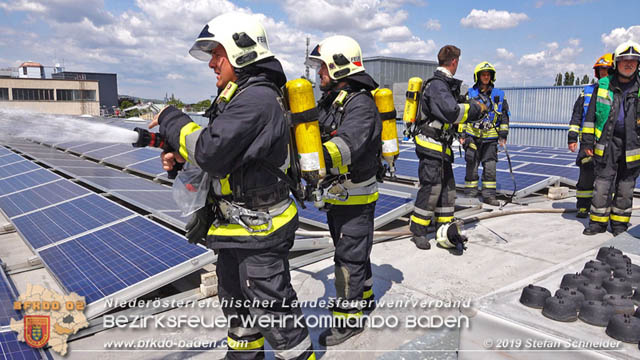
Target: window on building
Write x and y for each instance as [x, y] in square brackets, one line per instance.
[32, 94]
[4, 94]
[75, 95]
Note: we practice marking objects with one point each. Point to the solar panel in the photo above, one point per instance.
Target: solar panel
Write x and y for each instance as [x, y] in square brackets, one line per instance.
[133, 157]
[71, 144]
[151, 167]
[131, 183]
[173, 217]
[49, 155]
[26, 180]
[407, 169]
[388, 208]
[94, 171]
[38, 197]
[45, 227]
[569, 172]
[71, 163]
[5, 151]
[12, 349]
[16, 168]
[83, 148]
[109, 261]
[108, 151]
[504, 164]
[504, 183]
[8, 295]
[10, 159]
[158, 200]
[542, 160]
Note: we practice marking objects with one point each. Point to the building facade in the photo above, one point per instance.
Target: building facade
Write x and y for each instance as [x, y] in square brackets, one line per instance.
[67, 97]
[107, 85]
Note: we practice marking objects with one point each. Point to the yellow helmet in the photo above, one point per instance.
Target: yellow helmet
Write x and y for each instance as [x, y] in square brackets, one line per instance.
[605, 60]
[484, 66]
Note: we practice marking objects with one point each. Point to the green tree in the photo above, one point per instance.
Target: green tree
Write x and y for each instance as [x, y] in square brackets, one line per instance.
[585, 80]
[175, 102]
[125, 104]
[202, 105]
[565, 82]
[558, 80]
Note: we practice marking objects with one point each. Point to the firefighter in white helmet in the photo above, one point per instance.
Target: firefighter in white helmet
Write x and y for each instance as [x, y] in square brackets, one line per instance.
[251, 221]
[614, 143]
[350, 126]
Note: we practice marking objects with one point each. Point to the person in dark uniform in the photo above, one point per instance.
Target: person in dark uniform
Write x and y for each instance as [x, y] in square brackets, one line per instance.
[251, 221]
[351, 128]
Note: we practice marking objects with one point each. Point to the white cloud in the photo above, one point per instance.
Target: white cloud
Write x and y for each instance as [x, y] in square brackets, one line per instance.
[574, 42]
[414, 47]
[394, 33]
[492, 19]
[433, 24]
[174, 76]
[504, 53]
[552, 46]
[534, 59]
[620, 35]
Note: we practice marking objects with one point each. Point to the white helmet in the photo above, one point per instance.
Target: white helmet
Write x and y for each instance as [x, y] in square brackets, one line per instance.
[626, 50]
[340, 53]
[450, 236]
[242, 36]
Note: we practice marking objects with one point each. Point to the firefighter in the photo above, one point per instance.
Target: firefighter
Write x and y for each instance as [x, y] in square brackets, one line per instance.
[440, 116]
[252, 220]
[584, 189]
[351, 127]
[614, 144]
[480, 139]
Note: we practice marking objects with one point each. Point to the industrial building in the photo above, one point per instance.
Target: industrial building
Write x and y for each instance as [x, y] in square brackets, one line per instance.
[67, 93]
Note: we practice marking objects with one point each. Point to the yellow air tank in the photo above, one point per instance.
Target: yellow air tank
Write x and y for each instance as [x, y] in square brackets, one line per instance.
[412, 102]
[390, 150]
[306, 130]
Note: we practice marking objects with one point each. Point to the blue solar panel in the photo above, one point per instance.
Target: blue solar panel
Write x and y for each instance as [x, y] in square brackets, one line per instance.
[569, 172]
[70, 144]
[157, 200]
[17, 168]
[151, 167]
[407, 169]
[384, 205]
[134, 157]
[503, 179]
[108, 151]
[49, 155]
[39, 197]
[10, 159]
[94, 171]
[59, 222]
[5, 151]
[12, 349]
[131, 183]
[26, 180]
[72, 163]
[504, 164]
[542, 160]
[101, 263]
[174, 217]
[7, 297]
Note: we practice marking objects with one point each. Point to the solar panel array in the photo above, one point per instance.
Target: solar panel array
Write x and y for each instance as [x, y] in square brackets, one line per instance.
[91, 245]
[534, 168]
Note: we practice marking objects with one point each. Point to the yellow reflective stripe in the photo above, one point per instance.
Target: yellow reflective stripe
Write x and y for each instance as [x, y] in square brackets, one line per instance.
[461, 127]
[489, 184]
[347, 315]
[597, 218]
[186, 130]
[587, 130]
[598, 152]
[241, 345]
[603, 93]
[367, 294]
[343, 169]
[444, 219]
[237, 230]
[574, 128]
[466, 113]
[584, 194]
[355, 199]
[225, 185]
[430, 145]
[419, 221]
[504, 127]
[598, 133]
[312, 356]
[334, 152]
[473, 146]
[631, 158]
[619, 218]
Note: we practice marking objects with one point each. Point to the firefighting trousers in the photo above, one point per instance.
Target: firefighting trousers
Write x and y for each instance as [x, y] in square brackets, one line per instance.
[351, 228]
[252, 285]
[584, 187]
[613, 176]
[436, 197]
[478, 152]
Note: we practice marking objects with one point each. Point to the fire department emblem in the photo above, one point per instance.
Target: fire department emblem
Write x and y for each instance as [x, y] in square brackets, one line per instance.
[36, 330]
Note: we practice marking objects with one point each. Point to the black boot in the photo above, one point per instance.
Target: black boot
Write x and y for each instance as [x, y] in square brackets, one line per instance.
[335, 336]
[594, 229]
[421, 242]
[582, 213]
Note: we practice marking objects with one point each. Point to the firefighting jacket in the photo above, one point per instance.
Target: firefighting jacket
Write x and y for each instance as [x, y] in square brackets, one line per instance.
[440, 116]
[577, 124]
[498, 114]
[603, 111]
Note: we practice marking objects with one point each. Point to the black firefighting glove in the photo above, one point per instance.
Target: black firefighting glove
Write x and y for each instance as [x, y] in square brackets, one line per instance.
[199, 224]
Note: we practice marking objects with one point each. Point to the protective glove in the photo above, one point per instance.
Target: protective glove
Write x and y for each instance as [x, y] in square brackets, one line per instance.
[199, 224]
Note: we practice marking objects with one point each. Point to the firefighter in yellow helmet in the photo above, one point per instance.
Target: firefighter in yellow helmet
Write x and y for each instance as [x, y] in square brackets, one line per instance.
[614, 142]
[252, 220]
[351, 127]
[480, 139]
[584, 189]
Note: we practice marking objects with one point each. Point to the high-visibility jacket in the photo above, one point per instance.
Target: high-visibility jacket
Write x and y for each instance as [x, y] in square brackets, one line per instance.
[498, 114]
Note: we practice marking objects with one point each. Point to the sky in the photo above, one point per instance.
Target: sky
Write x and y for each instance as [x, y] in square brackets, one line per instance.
[146, 42]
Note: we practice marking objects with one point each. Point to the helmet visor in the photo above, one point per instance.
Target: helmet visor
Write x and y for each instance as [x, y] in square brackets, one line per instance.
[628, 57]
[202, 49]
[314, 63]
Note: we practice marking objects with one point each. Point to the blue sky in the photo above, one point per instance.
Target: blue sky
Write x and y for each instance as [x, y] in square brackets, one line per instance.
[146, 41]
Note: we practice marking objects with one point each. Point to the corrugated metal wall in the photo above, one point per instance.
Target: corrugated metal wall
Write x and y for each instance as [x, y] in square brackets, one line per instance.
[540, 115]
